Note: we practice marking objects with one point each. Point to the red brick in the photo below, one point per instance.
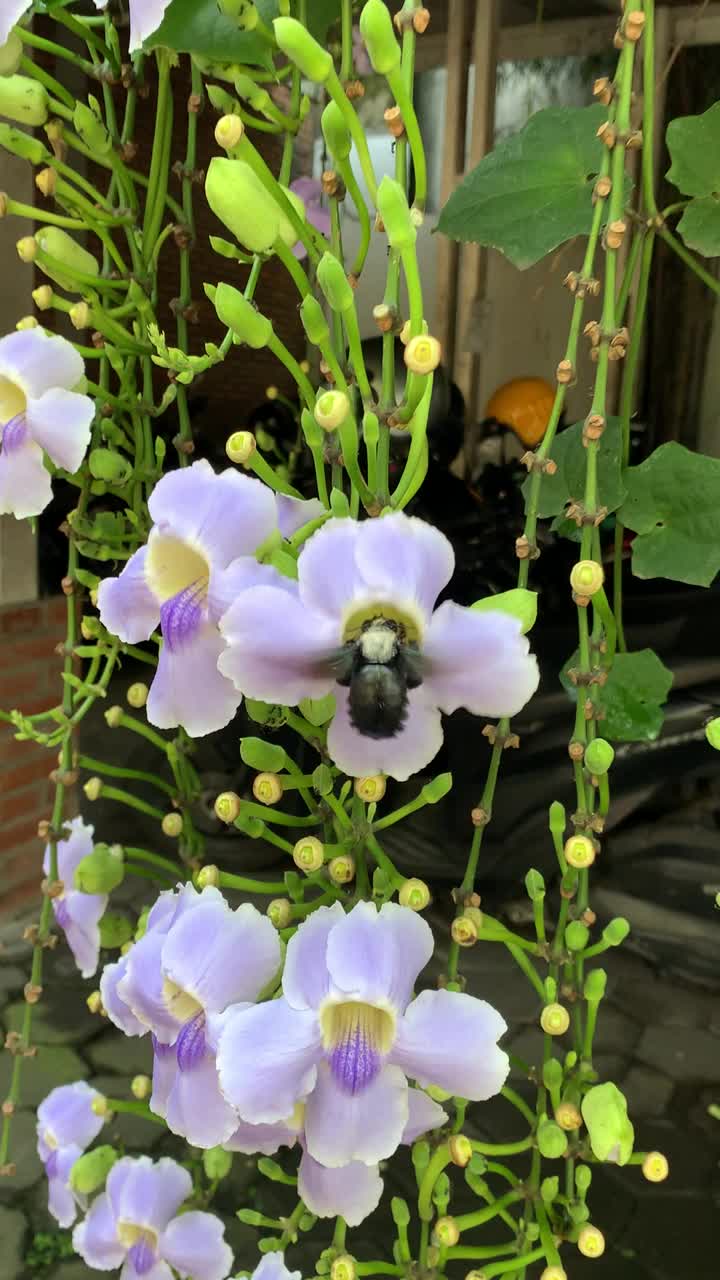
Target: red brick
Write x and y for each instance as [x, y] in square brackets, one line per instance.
[22, 804]
[18, 684]
[20, 653]
[19, 896]
[12, 752]
[17, 619]
[23, 773]
[24, 865]
[20, 832]
[56, 611]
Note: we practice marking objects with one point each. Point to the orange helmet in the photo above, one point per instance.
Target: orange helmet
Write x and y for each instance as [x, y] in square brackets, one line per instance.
[523, 405]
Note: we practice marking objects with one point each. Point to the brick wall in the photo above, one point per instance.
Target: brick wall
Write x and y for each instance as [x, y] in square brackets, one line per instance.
[29, 682]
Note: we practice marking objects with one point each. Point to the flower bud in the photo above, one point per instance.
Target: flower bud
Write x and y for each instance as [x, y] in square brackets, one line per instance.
[331, 410]
[93, 788]
[23, 99]
[335, 132]
[301, 48]
[615, 933]
[599, 756]
[551, 1140]
[279, 911]
[460, 1150]
[554, 1019]
[395, 213]
[343, 1268]
[27, 248]
[91, 129]
[371, 790]
[655, 1167]
[80, 315]
[595, 985]
[423, 354]
[23, 144]
[172, 825]
[553, 1273]
[464, 931]
[27, 322]
[100, 871]
[587, 577]
[577, 936]
[240, 447]
[552, 1074]
[228, 132]
[712, 732]
[11, 53]
[89, 1172]
[534, 885]
[238, 314]
[334, 283]
[342, 869]
[217, 1163]
[113, 717]
[108, 465]
[579, 852]
[227, 806]
[267, 788]
[137, 695]
[141, 1087]
[446, 1232]
[377, 31]
[309, 854]
[94, 1002]
[591, 1242]
[43, 297]
[604, 1110]
[238, 198]
[63, 249]
[208, 876]
[414, 894]
[568, 1116]
[314, 320]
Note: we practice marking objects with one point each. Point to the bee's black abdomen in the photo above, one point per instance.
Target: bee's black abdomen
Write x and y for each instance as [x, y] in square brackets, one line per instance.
[378, 701]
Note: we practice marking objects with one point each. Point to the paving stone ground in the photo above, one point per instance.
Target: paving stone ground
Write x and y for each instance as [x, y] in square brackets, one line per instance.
[659, 1040]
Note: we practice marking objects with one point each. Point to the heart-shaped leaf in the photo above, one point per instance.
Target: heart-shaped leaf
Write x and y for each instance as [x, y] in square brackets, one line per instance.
[636, 690]
[570, 456]
[694, 146]
[700, 226]
[673, 504]
[198, 26]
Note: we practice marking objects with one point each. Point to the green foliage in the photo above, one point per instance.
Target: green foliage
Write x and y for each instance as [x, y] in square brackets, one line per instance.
[198, 27]
[636, 690]
[519, 603]
[115, 930]
[534, 190]
[570, 457]
[694, 146]
[48, 1248]
[604, 1110]
[673, 504]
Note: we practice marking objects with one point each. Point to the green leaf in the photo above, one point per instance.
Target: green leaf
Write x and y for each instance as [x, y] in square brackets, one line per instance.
[633, 697]
[673, 504]
[534, 191]
[570, 457]
[700, 226]
[694, 146]
[519, 603]
[318, 710]
[115, 930]
[197, 26]
[604, 1110]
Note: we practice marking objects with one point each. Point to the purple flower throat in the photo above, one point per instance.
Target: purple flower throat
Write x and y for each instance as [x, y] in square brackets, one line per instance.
[358, 1037]
[142, 1255]
[183, 614]
[14, 433]
[190, 1045]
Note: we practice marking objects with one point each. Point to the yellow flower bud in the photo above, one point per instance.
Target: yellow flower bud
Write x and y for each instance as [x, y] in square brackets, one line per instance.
[586, 577]
[553, 1273]
[555, 1019]
[27, 249]
[271, 393]
[460, 1150]
[414, 894]
[113, 717]
[229, 131]
[343, 1268]
[241, 446]
[140, 1087]
[580, 852]
[446, 1232]
[331, 410]
[93, 788]
[279, 912]
[655, 1167]
[208, 876]
[309, 854]
[591, 1242]
[94, 1002]
[137, 695]
[46, 182]
[227, 806]
[342, 869]
[568, 1116]
[79, 315]
[423, 354]
[371, 790]
[172, 825]
[267, 788]
[43, 297]
[405, 333]
[464, 931]
[100, 1106]
[27, 322]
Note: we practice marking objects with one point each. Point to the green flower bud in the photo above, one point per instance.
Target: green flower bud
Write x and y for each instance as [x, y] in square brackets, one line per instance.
[243, 11]
[238, 198]
[712, 733]
[311, 430]
[599, 756]
[595, 984]
[616, 931]
[335, 132]
[557, 818]
[24, 100]
[217, 1163]
[100, 871]
[577, 936]
[91, 129]
[309, 854]
[229, 131]
[23, 145]
[11, 53]
[552, 1074]
[552, 1141]
[115, 930]
[583, 1178]
[208, 876]
[141, 1087]
[240, 447]
[246, 322]
[414, 894]
[395, 213]
[434, 791]
[400, 1211]
[322, 780]
[264, 756]
[371, 429]
[279, 911]
[534, 885]
[332, 409]
[88, 1174]
[302, 49]
[60, 246]
[604, 1110]
[549, 1188]
[107, 465]
[377, 31]
[314, 321]
[334, 283]
[519, 603]
[267, 788]
[172, 825]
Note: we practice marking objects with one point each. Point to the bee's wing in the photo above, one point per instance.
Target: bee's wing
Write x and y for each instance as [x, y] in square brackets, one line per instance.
[415, 666]
[339, 664]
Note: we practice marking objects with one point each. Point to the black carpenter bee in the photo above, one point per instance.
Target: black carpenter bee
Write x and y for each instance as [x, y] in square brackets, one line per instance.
[378, 668]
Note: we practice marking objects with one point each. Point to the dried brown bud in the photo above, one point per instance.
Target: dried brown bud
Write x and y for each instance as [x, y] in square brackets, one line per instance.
[565, 373]
[332, 185]
[421, 20]
[479, 817]
[634, 25]
[576, 750]
[8, 1107]
[603, 187]
[594, 426]
[593, 331]
[354, 89]
[571, 281]
[615, 233]
[379, 224]
[618, 39]
[394, 122]
[607, 133]
[634, 140]
[603, 90]
[588, 916]
[32, 992]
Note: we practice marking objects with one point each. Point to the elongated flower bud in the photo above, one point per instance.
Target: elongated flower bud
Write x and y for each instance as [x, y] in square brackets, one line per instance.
[302, 49]
[371, 790]
[314, 320]
[11, 53]
[334, 283]
[580, 852]
[23, 144]
[88, 1173]
[309, 854]
[229, 131]
[414, 894]
[246, 322]
[238, 198]
[107, 465]
[91, 129]
[241, 446]
[24, 100]
[266, 757]
[335, 132]
[74, 258]
[331, 410]
[395, 213]
[554, 1019]
[172, 825]
[377, 31]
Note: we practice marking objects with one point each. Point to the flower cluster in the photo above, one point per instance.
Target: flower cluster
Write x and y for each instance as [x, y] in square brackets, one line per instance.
[66, 1125]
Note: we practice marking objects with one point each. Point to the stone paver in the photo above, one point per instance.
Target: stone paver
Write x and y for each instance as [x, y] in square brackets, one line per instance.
[127, 1055]
[28, 1168]
[13, 1228]
[648, 1092]
[693, 1054]
[51, 1066]
[133, 1131]
[60, 1019]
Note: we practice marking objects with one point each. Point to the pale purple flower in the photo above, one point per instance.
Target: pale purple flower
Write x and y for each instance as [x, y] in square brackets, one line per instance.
[145, 18]
[135, 1224]
[272, 1267]
[197, 959]
[199, 555]
[310, 192]
[354, 1190]
[293, 513]
[40, 410]
[78, 914]
[346, 1034]
[66, 1125]
[11, 11]
[363, 65]
[284, 648]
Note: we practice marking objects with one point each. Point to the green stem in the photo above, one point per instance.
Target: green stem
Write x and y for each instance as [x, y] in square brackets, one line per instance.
[116, 771]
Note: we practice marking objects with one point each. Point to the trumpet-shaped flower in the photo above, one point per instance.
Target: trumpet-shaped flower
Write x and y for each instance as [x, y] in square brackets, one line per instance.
[78, 914]
[198, 557]
[40, 411]
[135, 1224]
[196, 960]
[346, 1035]
[354, 1190]
[273, 1267]
[66, 1125]
[145, 18]
[363, 624]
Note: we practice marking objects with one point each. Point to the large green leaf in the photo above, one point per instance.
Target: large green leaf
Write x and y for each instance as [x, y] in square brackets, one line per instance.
[534, 191]
[673, 504]
[694, 146]
[700, 226]
[197, 26]
[570, 456]
[636, 690]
